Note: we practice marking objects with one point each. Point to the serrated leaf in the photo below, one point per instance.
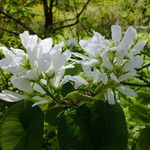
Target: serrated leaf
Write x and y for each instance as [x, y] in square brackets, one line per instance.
[22, 128]
[97, 126]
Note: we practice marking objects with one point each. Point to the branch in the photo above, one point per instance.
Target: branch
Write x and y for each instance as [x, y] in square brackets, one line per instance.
[135, 84]
[11, 32]
[77, 18]
[145, 54]
[25, 26]
[141, 78]
[145, 66]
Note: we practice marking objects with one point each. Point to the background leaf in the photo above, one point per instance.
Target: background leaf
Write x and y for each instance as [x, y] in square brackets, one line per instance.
[97, 126]
[22, 128]
[144, 139]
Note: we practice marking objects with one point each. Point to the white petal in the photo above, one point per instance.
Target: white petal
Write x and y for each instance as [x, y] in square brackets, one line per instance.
[76, 79]
[38, 88]
[33, 56]
[94, 45]
[22, 83]
[18, 52]
[28, 41]
[56, 81]
[103, 77]
[40, 101]
[110, 96]
[4, 63]
[106, 62]
[45, 63]
[12, 66]
[127, 91]
[127, 75]
[24, 38]
[116, 33]
[10, 96]
[18, 70]
[58, 59]
[68, 66]
[31, 75]
[57, 47]
[138, 47]
[67, 54]
[134, 62]
[120, 56]
[8, 54]
[113, 77]
[43, 81]
[128, 39]
[138, 61]
[95, 74]
[86, 65]
[79, 55]
[46, 45]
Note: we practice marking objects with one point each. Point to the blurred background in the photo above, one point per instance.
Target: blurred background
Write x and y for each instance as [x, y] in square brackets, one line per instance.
[70, 21]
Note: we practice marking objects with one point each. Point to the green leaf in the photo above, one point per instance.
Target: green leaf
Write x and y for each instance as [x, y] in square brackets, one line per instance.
[22, 128]
[97, 126]
[140, 113]
[144, 140]
[67, 88]
[144, 98]
[52, 115]
[74, 71]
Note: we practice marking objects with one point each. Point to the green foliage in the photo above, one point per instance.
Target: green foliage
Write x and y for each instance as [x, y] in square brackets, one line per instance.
[52, 115]
[22, 128]
[143, 143]
[97, 126]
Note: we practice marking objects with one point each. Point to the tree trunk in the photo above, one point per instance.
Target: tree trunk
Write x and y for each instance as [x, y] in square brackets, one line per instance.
[48, 13]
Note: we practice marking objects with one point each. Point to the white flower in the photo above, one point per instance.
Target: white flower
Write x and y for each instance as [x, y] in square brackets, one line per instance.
[12, 61]
[110, 63]
[95, 45]
[110, 96]
[10, 96]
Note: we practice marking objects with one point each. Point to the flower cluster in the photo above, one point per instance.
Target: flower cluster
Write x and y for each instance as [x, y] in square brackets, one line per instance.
[39, 71]
[110, 62]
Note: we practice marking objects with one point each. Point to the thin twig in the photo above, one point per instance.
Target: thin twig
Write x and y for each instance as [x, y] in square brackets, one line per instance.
[18, 21]
[77, 18]
[145, 66]
[135, 84]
